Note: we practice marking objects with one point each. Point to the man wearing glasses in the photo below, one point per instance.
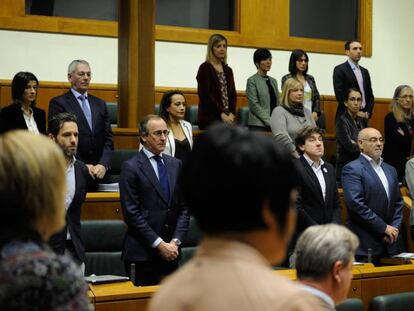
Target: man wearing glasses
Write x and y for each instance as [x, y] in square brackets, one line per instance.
[373, 200]
[152, 206]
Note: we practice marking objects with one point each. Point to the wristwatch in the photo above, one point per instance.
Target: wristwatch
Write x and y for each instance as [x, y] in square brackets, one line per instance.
[177, 242]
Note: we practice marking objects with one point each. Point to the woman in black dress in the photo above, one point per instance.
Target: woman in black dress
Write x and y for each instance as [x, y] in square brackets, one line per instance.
[348, 126]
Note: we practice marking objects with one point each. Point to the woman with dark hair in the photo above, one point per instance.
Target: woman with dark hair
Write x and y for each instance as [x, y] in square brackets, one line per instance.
[32, 200]
[180, 137]
[22, 113]
[399, 129]
[348, 126]
[298, 69]
[215, 85]
[262, 92]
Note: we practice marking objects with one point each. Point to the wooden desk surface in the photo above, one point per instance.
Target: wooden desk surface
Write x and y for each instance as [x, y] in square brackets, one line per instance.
[121, 291]
[102, 196]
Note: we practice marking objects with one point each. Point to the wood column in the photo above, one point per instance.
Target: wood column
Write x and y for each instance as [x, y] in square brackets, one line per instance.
[12, 7]
[136, 60]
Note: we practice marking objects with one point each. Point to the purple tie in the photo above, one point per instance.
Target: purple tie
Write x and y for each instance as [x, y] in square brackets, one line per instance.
[86, 110]
[358, 75]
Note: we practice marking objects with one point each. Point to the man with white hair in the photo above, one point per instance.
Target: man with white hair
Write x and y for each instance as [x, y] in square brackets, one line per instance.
[324, 258]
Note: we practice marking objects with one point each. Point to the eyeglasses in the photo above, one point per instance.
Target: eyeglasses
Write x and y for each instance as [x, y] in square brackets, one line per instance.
[374, 139]
[160, 133]
[353, 99]
[302, 60]
[406, 97]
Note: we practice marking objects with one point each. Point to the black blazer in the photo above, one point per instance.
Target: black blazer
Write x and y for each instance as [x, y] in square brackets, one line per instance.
[11, 118]
[397, 147]
[73, 215]
[347, 148]
[96, 146]
[344, 79]
[147, 213]
[312, 209]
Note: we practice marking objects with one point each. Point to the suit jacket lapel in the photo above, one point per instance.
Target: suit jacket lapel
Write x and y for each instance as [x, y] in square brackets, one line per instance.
[328, 183]
[171, 176]
[94, 110]
[313, 178]
[351, 73]
[370, 170]
[147, 169]
[73, 102]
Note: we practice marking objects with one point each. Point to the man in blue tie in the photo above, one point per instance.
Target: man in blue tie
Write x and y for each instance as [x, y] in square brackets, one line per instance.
[152, 205]
[95, 146]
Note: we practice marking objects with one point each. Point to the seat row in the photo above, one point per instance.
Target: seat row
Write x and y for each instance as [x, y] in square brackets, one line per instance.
[191, 114]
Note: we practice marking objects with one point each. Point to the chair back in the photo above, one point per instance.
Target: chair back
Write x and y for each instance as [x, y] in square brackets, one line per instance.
[393, 302]
[103, 240]
[191, 241]
[112, 113]
[120, 156]
[351, 304]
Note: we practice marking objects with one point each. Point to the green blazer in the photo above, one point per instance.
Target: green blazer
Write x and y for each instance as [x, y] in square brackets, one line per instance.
[258, 98]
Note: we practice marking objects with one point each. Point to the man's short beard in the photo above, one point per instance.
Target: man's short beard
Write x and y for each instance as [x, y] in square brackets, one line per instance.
[69, 154]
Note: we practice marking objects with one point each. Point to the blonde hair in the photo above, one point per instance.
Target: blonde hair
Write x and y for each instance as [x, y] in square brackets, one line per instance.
[400, 115]
[212, 42]
[32, 183]
[290, 84]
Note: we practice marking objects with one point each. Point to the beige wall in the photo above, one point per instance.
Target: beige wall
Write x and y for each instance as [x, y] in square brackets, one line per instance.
[47, 55]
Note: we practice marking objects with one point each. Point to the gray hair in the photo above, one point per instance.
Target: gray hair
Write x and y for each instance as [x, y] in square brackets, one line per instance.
[76, 62]
[319, 247]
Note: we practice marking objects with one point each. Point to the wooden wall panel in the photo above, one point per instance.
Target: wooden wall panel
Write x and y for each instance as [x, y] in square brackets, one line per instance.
[109, 93]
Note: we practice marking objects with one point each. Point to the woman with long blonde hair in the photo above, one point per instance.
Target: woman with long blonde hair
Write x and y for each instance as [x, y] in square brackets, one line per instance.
[215, 85]
[32, 201]
[399, 129]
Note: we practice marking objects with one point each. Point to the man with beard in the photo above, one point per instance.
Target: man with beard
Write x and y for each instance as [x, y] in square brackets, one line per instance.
[63, 129]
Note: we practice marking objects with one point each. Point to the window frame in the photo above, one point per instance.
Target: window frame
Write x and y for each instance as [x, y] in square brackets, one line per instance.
[250, 17]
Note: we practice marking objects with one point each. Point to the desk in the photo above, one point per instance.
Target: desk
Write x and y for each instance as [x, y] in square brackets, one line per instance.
[121, 296]
[386, 280]
[101, 205]
[368, 282]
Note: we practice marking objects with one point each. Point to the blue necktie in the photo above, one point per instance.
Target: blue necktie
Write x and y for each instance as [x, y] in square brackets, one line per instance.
[86, 110]
[163, 178]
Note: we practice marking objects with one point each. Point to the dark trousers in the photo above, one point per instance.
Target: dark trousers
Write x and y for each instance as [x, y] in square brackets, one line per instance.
[150, 272]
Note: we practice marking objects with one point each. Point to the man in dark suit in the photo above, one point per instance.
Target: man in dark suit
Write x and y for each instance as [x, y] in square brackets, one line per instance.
[351, 75]
[317, 201]
[373, 199]
[95, 135]
[152, 205]
[63, 130]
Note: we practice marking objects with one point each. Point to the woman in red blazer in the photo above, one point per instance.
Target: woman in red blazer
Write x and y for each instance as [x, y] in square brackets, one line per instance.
[215, 85]
[22, 113]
